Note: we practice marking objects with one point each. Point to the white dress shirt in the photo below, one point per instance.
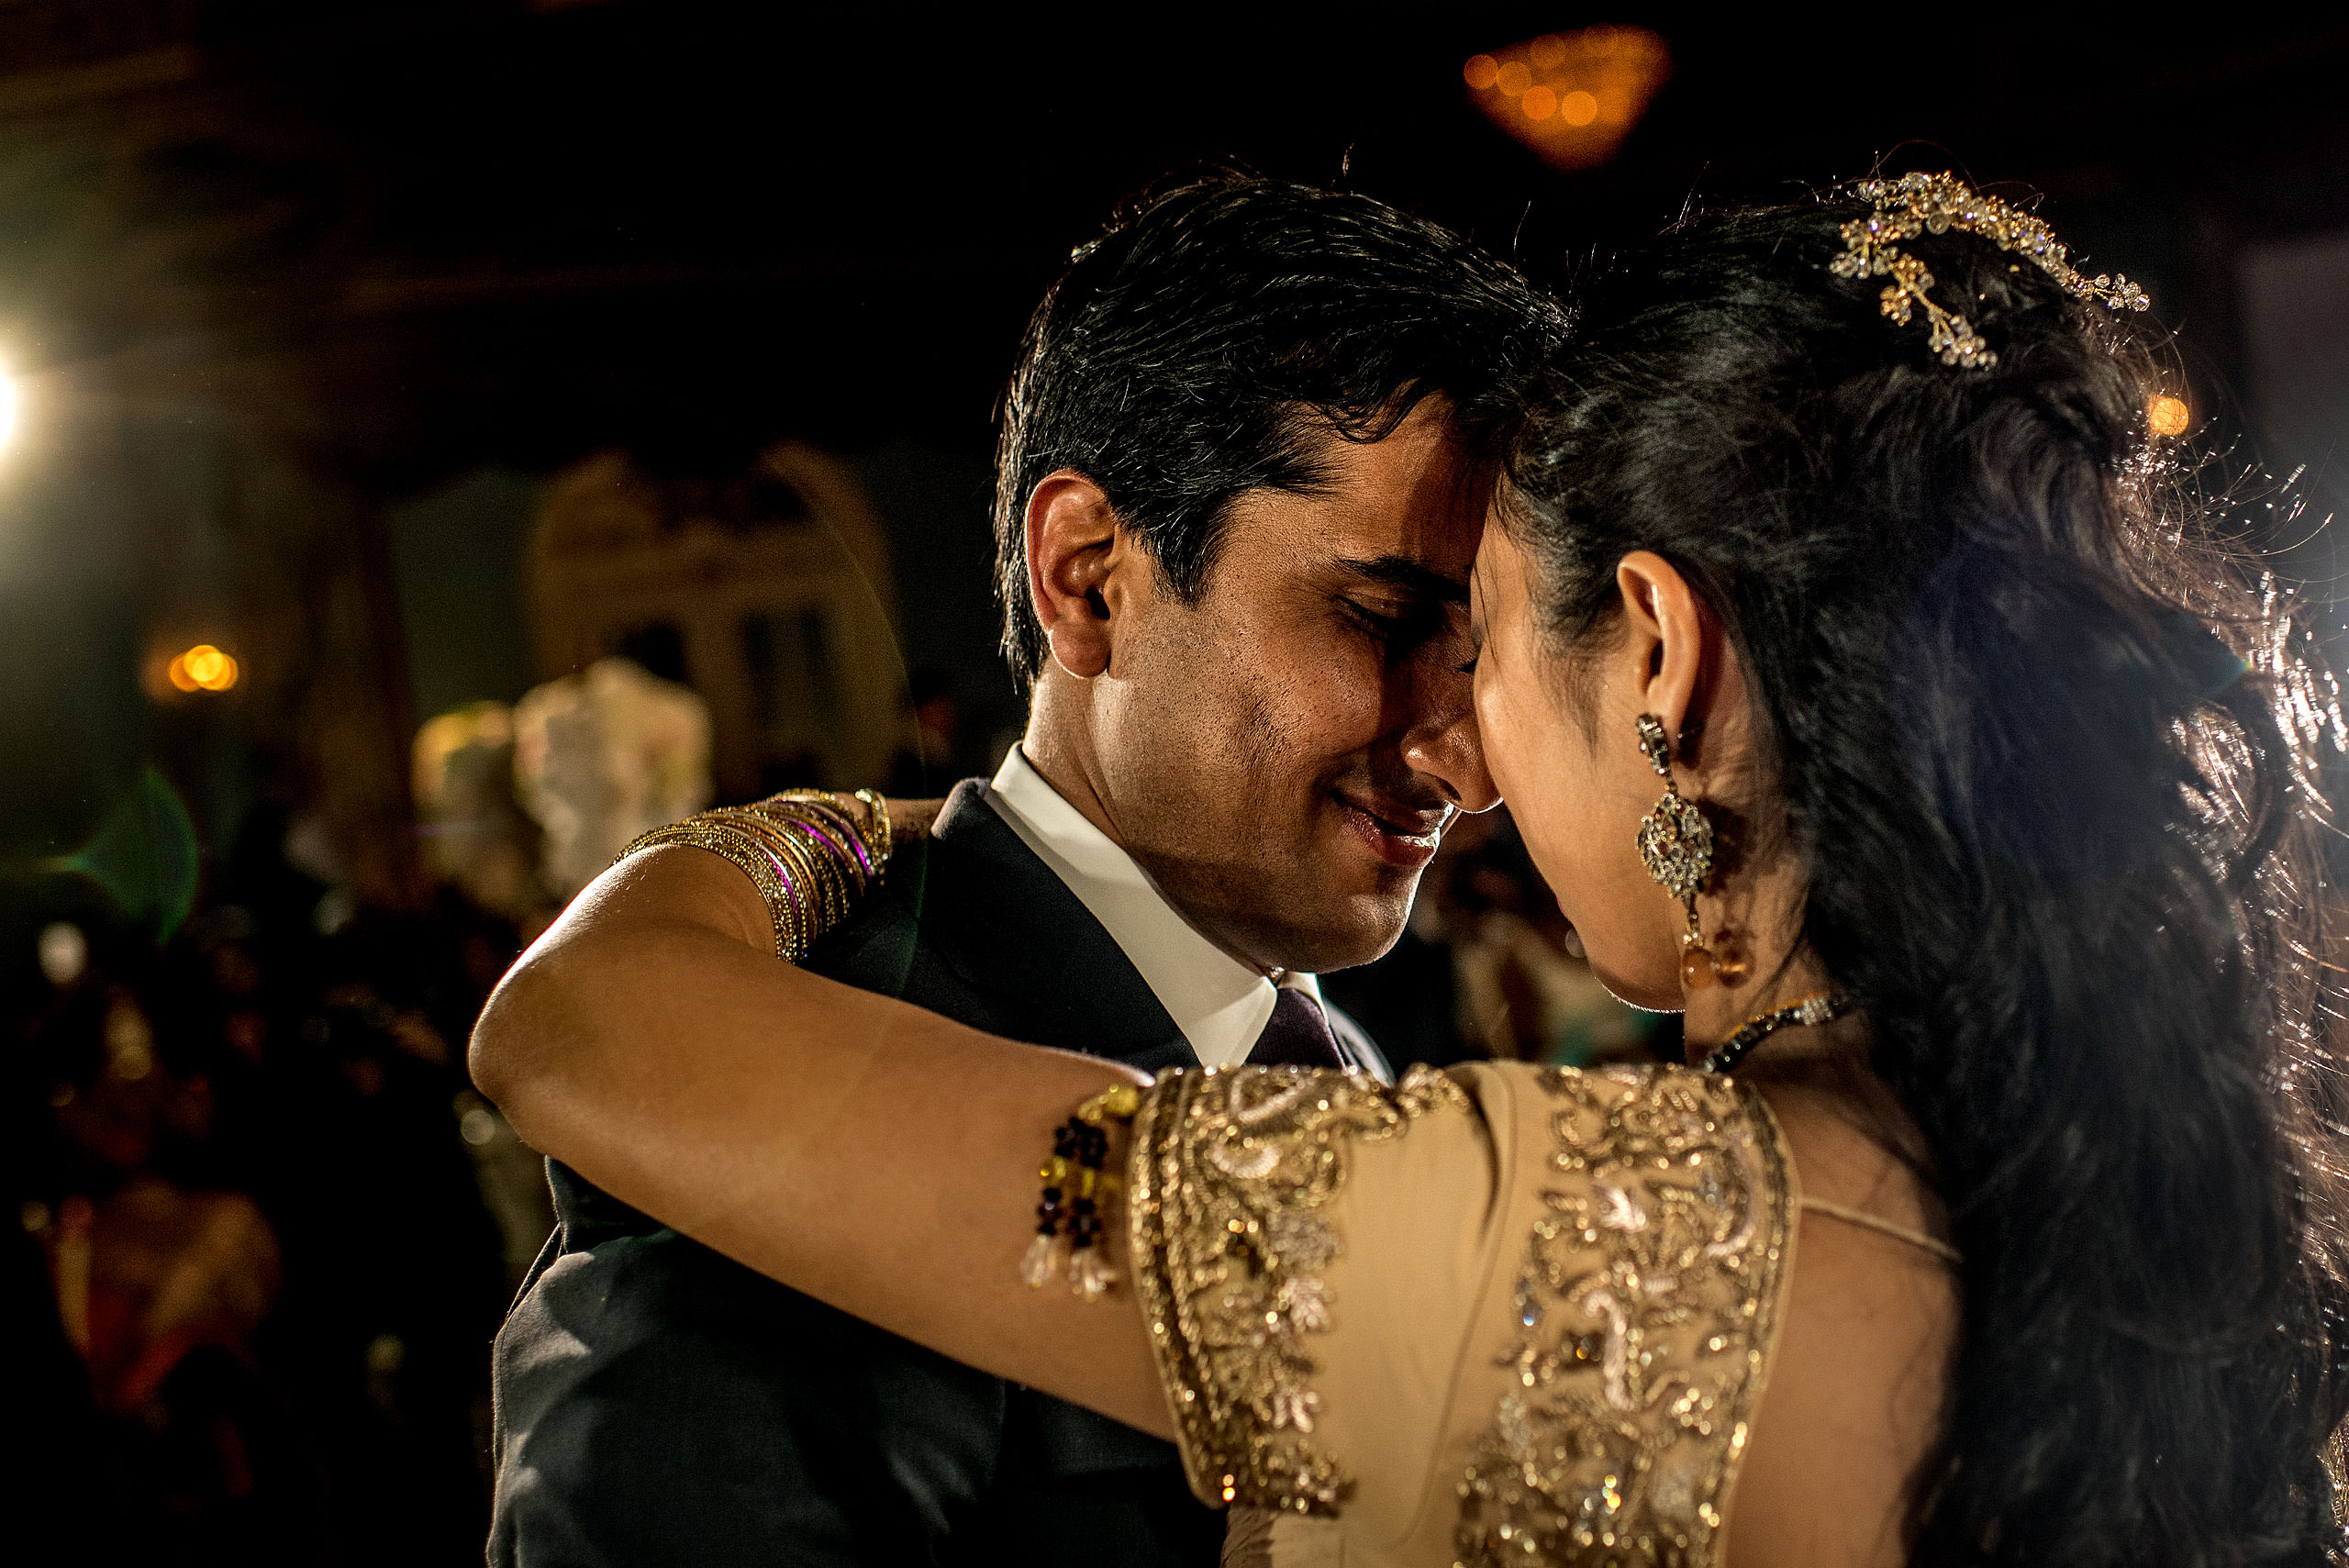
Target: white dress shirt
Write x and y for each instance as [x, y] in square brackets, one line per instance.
[1218, 1003]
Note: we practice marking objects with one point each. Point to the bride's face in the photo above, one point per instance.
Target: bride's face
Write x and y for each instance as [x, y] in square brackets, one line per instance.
[1561, 745]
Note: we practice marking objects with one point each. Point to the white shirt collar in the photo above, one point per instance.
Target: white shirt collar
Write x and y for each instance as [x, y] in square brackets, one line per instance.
[1218, 1003]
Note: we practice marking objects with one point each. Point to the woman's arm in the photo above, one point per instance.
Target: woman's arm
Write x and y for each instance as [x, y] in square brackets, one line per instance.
[874, 1155]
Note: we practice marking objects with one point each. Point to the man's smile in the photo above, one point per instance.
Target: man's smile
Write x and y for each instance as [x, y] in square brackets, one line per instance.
[1400, 834]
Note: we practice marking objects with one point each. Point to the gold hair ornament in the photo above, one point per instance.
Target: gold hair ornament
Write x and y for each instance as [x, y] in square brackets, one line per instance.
[1935, 203]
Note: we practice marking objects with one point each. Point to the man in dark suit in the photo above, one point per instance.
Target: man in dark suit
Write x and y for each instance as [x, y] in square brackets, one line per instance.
[1245, 464]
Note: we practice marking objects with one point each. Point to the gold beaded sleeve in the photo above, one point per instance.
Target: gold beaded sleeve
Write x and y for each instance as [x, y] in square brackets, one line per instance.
[1502, 1314]
[1231, 1178]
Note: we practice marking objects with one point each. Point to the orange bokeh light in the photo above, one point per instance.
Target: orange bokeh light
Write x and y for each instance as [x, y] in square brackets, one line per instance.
[2168, 415]
[1572, 97]
[203, 668]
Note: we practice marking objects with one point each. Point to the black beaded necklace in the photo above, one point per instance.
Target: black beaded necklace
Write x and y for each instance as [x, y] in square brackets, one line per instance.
[1815, 1010]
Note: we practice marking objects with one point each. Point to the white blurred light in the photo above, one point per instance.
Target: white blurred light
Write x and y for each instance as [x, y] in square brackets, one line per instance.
[8, 399]
[65, 952]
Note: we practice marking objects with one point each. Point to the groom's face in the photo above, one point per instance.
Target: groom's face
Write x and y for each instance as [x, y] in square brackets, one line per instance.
[1284, 753]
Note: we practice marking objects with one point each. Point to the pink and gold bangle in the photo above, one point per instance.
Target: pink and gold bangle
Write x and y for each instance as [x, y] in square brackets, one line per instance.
[807, 851]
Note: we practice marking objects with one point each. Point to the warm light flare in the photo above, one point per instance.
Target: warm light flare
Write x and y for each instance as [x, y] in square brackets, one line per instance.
[203, 668]
[2168, 415]
[1572, 97]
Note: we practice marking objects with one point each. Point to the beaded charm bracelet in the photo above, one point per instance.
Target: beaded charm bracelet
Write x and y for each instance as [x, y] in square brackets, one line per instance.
[1079, 1197]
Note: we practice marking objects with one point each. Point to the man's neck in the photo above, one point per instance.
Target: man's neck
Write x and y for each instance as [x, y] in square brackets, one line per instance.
[1066, 764]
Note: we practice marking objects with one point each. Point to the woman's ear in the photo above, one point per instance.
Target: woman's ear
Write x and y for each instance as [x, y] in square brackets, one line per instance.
[1668, 635]
[1072, 537]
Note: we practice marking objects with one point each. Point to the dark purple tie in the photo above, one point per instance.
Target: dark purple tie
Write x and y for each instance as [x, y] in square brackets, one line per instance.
[1298, 1035]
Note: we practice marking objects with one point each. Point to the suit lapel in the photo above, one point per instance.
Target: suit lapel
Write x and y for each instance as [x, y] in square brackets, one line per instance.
[1009, 927]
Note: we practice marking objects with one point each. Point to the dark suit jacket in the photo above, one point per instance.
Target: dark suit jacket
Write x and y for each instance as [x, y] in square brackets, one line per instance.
[658, 1403]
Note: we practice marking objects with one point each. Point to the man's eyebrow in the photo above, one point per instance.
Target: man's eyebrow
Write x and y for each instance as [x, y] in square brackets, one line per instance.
[1414, 577]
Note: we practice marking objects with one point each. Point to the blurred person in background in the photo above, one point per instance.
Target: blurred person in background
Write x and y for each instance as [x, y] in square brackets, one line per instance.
[215, 1146]
[480, 843]
[1522, 993]
[936, 754]
[600, 757]
[163, 1280]
[343, 1107]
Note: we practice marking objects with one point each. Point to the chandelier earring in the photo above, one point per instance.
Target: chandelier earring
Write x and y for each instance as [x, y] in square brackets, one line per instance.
[1677, 847]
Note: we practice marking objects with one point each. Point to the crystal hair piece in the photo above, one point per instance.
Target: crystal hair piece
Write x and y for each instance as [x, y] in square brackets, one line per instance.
[1935, 203]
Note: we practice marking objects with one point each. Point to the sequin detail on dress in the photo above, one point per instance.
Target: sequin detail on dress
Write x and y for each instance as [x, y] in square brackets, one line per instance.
[1641, 1322]
[1229, 1170]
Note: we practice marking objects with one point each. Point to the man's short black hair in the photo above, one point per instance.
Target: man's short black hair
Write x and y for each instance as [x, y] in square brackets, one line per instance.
[1212, 342]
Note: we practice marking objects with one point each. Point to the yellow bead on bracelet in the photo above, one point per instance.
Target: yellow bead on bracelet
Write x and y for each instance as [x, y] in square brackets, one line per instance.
[1077, 1196]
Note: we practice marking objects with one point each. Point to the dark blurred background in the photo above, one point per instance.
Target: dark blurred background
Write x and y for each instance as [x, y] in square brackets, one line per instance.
[446, 438]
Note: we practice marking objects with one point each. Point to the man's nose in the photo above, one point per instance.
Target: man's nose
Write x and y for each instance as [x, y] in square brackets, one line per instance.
[1447, 748]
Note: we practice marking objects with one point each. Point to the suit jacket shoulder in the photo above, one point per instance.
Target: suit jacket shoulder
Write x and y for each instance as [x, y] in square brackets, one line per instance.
[659, 1404]
[973, 925]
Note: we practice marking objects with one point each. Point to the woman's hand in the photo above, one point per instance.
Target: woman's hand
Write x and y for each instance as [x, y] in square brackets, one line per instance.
[912, 819]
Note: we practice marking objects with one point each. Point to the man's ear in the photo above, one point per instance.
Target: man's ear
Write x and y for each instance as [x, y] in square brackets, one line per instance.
[1072, 537]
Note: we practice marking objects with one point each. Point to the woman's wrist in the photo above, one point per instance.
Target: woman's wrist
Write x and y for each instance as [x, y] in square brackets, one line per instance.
[811, 854]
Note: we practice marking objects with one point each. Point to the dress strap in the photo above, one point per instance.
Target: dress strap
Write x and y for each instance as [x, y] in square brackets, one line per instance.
[1867, 1221]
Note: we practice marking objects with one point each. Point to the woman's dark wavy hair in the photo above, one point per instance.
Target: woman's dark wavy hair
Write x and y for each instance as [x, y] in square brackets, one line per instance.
[2046, 740]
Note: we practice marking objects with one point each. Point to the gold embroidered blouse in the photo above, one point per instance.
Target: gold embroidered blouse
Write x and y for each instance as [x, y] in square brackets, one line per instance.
[1500, 1314]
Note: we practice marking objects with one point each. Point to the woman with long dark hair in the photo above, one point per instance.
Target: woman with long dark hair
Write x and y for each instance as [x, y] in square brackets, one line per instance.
[1857, 670]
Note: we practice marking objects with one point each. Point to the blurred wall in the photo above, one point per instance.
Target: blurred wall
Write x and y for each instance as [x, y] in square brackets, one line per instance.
[128, 534]
[937, 503]
[2295, 304]
[457, 557]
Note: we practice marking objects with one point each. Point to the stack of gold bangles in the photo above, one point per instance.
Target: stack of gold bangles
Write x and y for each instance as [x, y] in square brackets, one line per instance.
[811, 854]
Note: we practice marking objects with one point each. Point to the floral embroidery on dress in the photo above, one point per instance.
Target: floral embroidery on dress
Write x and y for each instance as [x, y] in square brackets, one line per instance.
[1641, 1318]
[1227, 1172]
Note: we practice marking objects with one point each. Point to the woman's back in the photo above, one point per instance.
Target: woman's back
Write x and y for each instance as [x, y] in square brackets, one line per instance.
[1855, 1398]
